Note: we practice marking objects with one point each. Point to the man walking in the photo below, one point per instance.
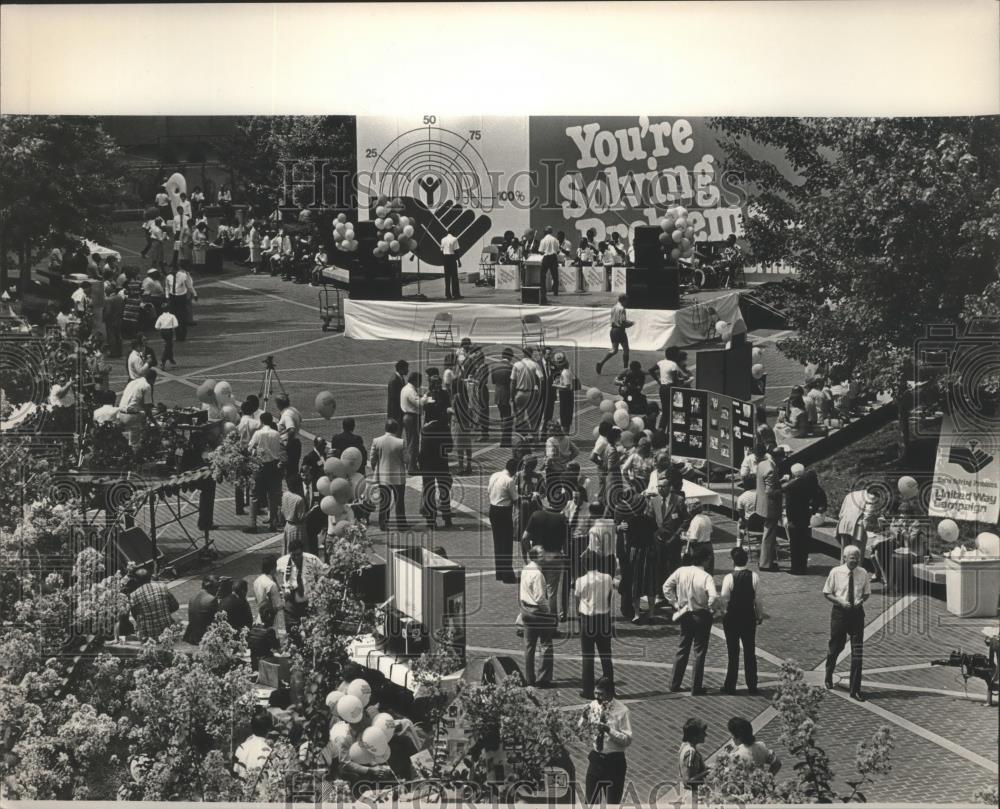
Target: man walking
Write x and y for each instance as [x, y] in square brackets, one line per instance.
[692, 592]
[449, 249]
[503, 494]
[607, 767]
[847, 587]
[619, 334]
[389, 467]
[549, 248]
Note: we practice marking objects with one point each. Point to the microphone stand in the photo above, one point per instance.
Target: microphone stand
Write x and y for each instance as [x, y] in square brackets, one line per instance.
[413, 255]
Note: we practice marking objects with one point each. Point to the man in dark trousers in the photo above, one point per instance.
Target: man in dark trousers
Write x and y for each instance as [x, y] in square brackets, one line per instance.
[346, 439]
[549, 374]
[502, 492]
[803, 498]
[393, 409]
[201, 610]
[744, 610]
[500, 376]
[692, 592]
[435, 444]
[848, 587]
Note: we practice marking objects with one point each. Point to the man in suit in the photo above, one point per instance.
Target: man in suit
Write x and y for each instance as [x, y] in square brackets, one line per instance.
[389, 467]
[668, 508]
[348, 439]
[549, 373]
[393, 409]
[201, 610]
[435, 444]
[770, 500]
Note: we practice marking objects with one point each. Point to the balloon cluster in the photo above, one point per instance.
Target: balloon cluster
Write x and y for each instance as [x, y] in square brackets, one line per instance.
[363, 742]
[396, 233]
[757, 369]
[343, 234]
[678, 233]
[219, 397]
[342, 482]
[615, 411]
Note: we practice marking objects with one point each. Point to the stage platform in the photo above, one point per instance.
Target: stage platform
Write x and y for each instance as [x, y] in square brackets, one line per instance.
[486, 320]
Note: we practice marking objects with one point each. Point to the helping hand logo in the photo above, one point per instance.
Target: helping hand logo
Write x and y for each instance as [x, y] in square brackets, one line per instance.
[432, 226]
[970, 458]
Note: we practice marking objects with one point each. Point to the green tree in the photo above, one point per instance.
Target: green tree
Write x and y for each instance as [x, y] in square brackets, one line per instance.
[265, 148]
[57, 174]
[892, 223]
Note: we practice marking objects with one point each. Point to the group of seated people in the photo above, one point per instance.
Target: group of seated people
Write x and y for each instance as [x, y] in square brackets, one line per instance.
[823, 401]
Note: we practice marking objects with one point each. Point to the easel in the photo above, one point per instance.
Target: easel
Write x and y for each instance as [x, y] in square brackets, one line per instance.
[267, 383]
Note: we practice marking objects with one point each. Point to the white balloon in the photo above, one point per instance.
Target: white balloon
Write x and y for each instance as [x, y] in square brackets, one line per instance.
[385, 723]
[333, 698]
[361, 690]
[350, 709]
[948, 530]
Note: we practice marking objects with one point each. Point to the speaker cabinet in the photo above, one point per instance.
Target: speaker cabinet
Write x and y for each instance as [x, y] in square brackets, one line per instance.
[653, 282]
[134, 545]
[372, 278]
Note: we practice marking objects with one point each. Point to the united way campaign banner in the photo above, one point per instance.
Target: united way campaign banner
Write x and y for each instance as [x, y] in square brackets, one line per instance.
[569, 172]
[966, 476]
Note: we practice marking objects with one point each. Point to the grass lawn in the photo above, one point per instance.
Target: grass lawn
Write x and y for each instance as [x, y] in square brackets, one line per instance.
[874, 459]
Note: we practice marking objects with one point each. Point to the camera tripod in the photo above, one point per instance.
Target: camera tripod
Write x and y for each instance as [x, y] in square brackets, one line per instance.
[267, 383]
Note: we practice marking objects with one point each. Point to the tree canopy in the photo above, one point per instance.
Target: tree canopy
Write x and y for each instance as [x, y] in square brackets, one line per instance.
[57, 174]
[893, 224]
[264, 148]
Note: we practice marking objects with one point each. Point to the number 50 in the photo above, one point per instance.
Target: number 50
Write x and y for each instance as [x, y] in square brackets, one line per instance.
[430, 119]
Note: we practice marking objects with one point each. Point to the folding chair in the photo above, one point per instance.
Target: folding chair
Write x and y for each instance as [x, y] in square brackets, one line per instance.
[488, 261]
[441, 332]
[532, 331]
[751, 535]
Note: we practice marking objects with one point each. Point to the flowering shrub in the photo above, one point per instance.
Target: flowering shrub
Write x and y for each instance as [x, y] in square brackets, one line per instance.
[232, 462]
[532, 731]
[350, 554]
[797, 703]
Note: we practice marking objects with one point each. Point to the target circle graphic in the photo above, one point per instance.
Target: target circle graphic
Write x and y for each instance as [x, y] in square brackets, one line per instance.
[433, 164]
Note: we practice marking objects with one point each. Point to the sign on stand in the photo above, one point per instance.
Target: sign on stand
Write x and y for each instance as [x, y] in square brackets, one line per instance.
[711, 426]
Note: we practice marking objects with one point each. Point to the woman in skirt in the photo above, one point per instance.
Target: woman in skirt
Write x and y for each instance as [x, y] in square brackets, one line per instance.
[199, 245]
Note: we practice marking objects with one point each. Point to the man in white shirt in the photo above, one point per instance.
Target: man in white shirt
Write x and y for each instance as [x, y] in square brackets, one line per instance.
[298, 575]
[619, 335]
[539, 622]
[847, 587]
[136, 361]
[692, 592]
[450, 248]
[289, 418]
[526, 382]
[410, 401]
[265, 587]
[388, 460]
[549, 248]
[667, 373]
[612, 726]
[744, 609]
[265, 443]
[593, 591]
[180, 292]
[251, 756]
[503, 494]
[137, 401]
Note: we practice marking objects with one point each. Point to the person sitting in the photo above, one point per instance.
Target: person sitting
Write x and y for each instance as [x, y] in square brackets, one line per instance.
[748, 468]
[794, 421]
[745, 747]
[201, 610]
[152, 605]
[233, 600]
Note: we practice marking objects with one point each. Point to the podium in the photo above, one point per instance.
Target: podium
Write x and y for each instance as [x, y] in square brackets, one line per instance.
[532, 290]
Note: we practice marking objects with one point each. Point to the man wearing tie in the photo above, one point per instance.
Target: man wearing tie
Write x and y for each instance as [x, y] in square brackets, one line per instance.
[847, 588]
[393, 409]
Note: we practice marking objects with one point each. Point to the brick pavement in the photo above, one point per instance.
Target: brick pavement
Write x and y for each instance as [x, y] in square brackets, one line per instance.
[232, 328]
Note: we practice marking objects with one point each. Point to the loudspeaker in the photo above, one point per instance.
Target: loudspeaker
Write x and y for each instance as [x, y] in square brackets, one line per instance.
[372, 278]
[653, 282]
[134, 545]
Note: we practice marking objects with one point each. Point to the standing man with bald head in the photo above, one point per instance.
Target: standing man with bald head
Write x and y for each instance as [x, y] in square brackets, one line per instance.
[847, 587]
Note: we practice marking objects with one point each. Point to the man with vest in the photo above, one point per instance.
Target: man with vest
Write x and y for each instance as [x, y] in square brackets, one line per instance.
[743, 611]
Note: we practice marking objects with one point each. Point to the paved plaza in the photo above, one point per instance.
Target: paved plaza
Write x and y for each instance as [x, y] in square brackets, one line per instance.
[946, 738]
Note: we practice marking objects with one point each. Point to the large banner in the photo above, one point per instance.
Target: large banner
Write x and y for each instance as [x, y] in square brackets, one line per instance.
[464, 175]
[966, 477]
[612, 174]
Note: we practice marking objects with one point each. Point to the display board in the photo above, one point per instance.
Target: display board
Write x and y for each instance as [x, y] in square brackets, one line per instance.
[689, 423]
[710, 426]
